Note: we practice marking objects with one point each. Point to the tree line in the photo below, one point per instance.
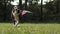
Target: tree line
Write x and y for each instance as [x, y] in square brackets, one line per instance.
[41, 13]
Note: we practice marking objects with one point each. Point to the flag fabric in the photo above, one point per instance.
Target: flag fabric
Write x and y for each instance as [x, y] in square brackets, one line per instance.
[24, 12]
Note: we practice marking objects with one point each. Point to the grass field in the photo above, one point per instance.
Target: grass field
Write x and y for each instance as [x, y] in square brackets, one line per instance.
[28, 28]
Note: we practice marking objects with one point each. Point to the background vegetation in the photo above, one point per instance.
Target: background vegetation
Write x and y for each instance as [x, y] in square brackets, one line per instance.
[45, 13]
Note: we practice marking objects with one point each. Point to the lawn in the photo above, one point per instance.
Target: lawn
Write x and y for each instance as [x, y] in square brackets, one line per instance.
[29, 28]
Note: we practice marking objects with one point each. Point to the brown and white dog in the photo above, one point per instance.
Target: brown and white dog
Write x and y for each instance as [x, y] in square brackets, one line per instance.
[15, 15]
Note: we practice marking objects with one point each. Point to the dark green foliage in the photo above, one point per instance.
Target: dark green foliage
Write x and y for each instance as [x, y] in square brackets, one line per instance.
[5, 12]
[50, 11]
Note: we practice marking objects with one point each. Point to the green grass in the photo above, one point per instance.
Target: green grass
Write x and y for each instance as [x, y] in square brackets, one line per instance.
[26, 28]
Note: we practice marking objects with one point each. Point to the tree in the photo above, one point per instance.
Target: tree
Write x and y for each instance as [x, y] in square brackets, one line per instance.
[41, 10]
[57, 4]
[30, 2]
[26, 4]
[20, 4]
